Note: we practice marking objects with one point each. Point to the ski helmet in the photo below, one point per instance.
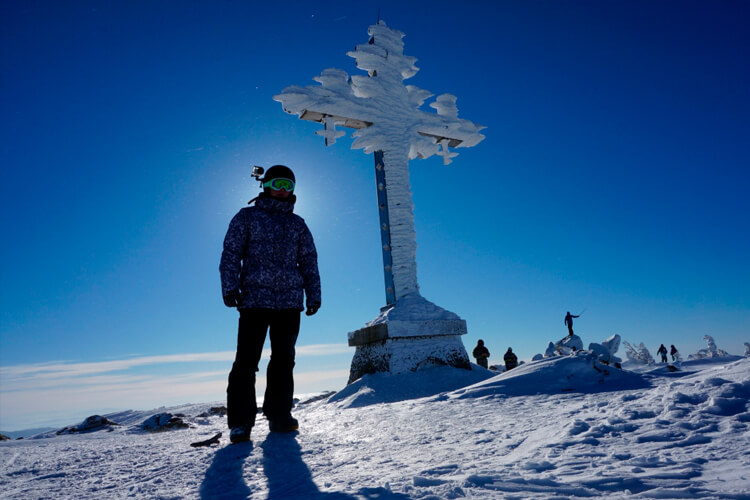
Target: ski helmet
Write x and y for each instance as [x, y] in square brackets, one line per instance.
[279, 172]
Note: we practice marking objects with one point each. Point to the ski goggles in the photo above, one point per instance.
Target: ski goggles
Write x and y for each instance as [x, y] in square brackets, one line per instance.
[280, 183]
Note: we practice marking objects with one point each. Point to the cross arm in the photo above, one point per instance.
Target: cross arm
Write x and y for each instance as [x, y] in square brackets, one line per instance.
[317, 116]
[458, 132]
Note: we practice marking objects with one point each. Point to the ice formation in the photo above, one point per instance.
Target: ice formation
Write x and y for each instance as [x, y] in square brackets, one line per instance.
[709, 352]
[605, 352]
[388, 118]
[569, 344]
[413, 307]
[572, 344]
[551, 350]
[639, 355]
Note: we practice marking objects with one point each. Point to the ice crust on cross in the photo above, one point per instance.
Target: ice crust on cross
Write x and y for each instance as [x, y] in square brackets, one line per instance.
[329, 131]
[387, 117]
[382, 100]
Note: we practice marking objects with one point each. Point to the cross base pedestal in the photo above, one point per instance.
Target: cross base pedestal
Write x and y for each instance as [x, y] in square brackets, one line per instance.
[399, 346]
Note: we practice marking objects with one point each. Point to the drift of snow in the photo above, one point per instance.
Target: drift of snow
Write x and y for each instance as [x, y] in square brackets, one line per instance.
[557, 427]
[580, 372]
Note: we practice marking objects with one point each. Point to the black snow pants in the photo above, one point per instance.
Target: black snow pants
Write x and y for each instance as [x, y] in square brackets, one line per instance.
[283, 328]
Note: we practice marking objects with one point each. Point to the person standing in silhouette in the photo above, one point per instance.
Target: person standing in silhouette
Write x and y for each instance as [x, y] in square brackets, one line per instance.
[268, 266]
[663, 352]
[673, 352]
[569, 322]
[511, 360]
[481, 353]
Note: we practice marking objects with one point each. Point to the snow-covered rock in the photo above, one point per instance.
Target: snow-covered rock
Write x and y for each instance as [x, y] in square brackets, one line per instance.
[612, 344]
[164, 422]
[90, 424]
[551, 350]
[569, 344]
[602, 353]
[747, 349]
[214, 411]
[605, 351]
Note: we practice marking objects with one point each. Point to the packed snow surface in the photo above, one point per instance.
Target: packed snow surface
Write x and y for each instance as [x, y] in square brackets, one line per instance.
[565, 426]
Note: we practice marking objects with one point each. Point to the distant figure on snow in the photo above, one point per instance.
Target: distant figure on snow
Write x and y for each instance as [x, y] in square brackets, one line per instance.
[569, 322]
[511, 360]
[663, 352]
[481, 353]
[674, 353]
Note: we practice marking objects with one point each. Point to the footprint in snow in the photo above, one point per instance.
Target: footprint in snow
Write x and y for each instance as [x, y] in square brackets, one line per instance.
[578, 427]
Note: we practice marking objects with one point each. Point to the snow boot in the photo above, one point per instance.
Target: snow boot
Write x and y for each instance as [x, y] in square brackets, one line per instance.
[240, 434]
[283, 424]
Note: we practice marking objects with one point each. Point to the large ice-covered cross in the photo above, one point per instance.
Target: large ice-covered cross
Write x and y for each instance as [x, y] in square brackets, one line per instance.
[410, 333]
[389, 122]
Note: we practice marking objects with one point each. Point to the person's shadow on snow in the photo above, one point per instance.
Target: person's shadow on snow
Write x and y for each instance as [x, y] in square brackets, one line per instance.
[290, 478]
[224, 476]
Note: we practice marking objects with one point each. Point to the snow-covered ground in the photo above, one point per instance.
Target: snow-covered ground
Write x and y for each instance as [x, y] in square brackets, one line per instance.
[557, 427]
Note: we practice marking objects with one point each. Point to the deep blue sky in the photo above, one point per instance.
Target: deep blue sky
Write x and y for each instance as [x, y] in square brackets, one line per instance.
[614, 176]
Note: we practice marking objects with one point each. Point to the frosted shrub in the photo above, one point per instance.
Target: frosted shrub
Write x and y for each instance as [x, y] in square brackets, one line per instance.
[638, 355]
[747, 349]
[709, 352]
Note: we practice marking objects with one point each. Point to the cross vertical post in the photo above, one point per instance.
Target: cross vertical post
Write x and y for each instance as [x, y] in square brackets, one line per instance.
[385, 229]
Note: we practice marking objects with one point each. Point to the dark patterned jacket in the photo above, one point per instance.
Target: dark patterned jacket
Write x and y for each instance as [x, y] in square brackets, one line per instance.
[270, 257]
